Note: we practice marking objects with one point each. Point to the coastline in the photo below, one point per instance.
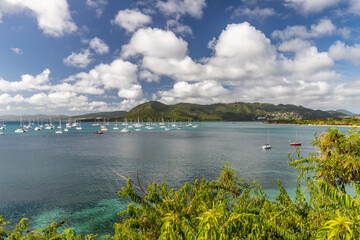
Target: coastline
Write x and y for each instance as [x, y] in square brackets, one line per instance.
[325, 125]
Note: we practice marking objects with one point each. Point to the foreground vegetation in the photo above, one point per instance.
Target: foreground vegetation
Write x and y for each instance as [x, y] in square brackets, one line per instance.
[328, 121]
[231, 208]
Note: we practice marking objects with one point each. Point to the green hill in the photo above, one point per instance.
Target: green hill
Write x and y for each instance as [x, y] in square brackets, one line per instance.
[239, 111]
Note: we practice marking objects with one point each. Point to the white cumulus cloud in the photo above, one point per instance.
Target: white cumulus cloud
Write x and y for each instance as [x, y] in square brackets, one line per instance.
[131, 20]
[148, 76]
[6, 99]
[181, 7]
[340, 51]
[79, 60]
[324, 28]
[200, 92]
[99, 46]
[120, 75]
[53, 16]
[155, 43]
[310, 6]
[27, 83]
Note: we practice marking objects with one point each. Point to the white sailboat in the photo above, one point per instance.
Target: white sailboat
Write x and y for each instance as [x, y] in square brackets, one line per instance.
[189, 123]
[20, 129]
[126, 127]
[3, 126]
[179, 127]
[28, 126]
[2, 129]
[37, 128]
[59, 131]
[75, 124]
[116, 126]
[49, 126]
[267, 145]
[95, 124]
[162, 123]
[79, 126]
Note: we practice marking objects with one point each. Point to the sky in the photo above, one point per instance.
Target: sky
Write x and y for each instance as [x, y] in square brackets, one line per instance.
[79, 56]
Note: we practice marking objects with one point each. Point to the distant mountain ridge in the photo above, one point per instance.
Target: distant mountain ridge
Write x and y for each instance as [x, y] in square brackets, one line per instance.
[346, 112]
[238, 111]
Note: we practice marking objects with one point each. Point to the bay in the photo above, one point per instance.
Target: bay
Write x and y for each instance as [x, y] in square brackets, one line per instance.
[74, 176]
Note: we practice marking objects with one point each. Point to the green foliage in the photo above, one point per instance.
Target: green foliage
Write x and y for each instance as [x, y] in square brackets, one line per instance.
[231, 208]
[228, 208]
[338, 161]
[21, 232]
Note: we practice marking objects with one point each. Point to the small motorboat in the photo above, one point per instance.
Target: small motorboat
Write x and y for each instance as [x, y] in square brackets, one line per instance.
[266, 146]
[99, 132]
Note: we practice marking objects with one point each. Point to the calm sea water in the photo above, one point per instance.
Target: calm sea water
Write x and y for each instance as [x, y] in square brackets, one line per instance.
[74, 176]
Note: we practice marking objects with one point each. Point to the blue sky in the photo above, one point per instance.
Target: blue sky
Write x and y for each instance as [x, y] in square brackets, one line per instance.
[75, 56]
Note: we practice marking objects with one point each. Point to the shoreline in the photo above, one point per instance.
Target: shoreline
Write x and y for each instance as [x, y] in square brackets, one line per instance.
[325, 125]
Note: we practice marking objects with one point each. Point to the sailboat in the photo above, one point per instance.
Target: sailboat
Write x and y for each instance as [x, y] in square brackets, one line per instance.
[49, 125]
[116, 126]
[3, 126]
[28, 126]
[126, 127]
[79, 126]
[2, 129]
[296, 143]
[189, 123]
[59, 131]
[66, 126]
[20, 129]
[179, 127]
[96, 123]
[37, 128]
[267, 145]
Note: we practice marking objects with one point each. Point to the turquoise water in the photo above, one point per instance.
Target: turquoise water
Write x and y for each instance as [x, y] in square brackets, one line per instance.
[74, 176]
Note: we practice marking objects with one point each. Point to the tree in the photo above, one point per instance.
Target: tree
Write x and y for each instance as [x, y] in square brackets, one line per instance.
[338, 160]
